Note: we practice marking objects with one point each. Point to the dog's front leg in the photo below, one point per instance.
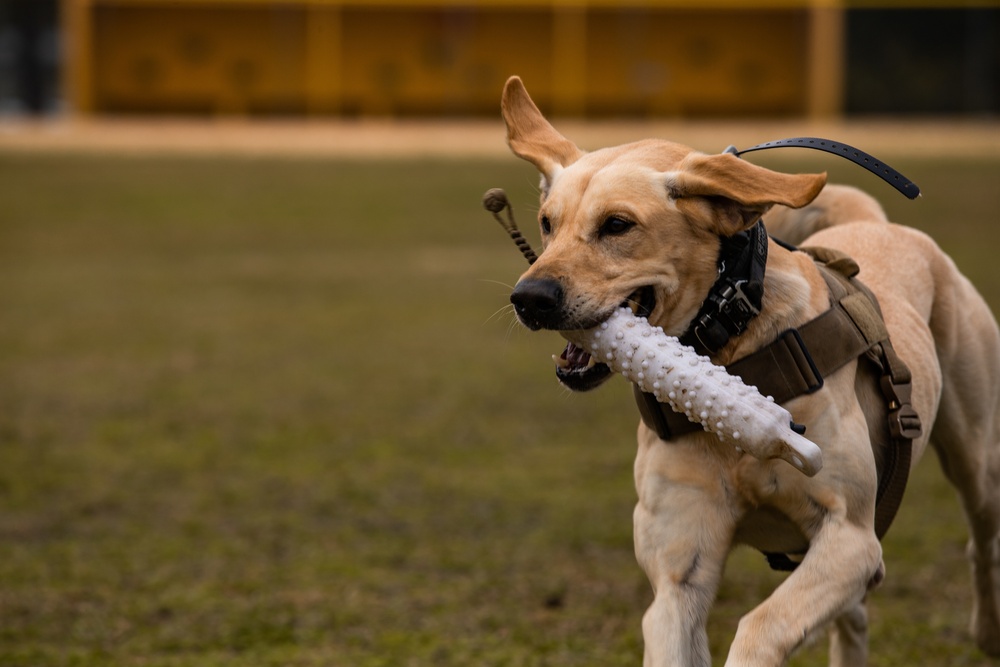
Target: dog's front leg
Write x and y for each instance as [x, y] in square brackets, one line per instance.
[684, 568]
[834, 576]
[849, 638]
[683, 529]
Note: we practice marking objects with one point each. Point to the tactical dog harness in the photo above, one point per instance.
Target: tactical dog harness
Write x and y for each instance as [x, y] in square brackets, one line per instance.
[798, 360]
[796, 363]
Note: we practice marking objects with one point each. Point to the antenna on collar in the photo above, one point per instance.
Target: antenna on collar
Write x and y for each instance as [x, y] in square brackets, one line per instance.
[494, 201]
[904, 185]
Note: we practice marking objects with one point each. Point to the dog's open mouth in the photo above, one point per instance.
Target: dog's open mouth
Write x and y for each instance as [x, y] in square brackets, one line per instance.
[577, 370]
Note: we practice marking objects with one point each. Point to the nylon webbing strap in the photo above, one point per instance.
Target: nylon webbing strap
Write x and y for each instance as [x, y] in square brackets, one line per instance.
[735, 298]
[904, 185]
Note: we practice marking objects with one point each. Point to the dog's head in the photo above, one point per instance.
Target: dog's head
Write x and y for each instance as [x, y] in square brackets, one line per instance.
[638, 225]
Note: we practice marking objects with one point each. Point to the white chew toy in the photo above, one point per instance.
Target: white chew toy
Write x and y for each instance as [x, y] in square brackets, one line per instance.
[692, 385]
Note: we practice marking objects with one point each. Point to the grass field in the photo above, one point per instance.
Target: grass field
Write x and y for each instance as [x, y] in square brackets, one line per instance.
[273, 412]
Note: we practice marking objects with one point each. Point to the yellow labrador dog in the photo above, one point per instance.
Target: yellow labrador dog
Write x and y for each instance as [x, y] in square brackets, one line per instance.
[644, 222]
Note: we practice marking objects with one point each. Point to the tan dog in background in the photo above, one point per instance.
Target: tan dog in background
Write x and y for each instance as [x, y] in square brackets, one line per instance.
[643, 221]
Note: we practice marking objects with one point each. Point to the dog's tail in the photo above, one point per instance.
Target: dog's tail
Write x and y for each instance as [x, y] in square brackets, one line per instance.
[835, 205]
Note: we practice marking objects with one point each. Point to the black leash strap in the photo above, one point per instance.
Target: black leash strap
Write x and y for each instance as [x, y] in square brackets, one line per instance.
[904, 185]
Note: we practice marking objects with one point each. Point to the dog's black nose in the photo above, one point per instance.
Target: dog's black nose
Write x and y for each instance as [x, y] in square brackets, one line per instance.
[538, 303]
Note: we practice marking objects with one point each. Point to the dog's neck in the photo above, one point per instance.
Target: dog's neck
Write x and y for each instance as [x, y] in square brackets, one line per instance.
[794, 293]
[735, 298]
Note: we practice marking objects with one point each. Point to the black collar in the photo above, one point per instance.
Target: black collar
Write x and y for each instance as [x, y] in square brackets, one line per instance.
[736, 296]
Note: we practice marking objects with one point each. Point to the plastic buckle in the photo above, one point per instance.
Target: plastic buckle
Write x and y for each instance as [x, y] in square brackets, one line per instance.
[736, 306]
[904, 422]
[711, 334]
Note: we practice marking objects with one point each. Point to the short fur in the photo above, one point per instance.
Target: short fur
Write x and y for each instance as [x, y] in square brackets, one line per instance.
[697, 498]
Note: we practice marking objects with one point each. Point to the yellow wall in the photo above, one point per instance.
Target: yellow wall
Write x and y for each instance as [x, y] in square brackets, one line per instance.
[404, 57]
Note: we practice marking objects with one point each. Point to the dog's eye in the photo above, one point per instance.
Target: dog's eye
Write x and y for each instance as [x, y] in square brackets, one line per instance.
[546, 224]
[614, 226]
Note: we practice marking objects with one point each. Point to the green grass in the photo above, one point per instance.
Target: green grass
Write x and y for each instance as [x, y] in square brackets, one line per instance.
[273, 412]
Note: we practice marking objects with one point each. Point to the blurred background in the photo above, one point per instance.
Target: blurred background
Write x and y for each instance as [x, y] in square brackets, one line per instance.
[667, 58]
[263, 402]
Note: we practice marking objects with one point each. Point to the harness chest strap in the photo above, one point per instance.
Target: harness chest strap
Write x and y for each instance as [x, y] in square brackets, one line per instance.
[798, 360]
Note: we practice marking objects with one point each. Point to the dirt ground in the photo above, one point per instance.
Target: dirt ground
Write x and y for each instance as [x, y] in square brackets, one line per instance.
[379, 138]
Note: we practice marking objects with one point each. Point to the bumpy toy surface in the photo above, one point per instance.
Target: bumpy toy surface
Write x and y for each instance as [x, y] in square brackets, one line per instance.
[692, 385]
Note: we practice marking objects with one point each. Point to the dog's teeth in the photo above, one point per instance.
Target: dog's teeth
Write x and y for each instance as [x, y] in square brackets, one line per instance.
[560, 362]
[591, 362]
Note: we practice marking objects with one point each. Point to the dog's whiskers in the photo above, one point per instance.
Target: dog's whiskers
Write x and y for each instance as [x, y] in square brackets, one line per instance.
[497, 282]
[507, 309]
[512, 325]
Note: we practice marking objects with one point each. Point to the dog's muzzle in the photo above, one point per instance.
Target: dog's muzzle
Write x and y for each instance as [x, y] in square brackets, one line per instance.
[540, 304]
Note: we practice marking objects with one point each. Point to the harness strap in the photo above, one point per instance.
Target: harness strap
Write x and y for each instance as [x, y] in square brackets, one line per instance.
[793, 364]
[895, 380]
[798, 360]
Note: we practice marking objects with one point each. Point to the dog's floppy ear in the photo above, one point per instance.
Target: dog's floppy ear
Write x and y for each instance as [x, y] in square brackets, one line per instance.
[530, 136]
[737, 191]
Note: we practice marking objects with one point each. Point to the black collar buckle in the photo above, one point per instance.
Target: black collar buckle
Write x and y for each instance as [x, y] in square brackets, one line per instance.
[736, 306]
[729, 314]
[736, 297]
